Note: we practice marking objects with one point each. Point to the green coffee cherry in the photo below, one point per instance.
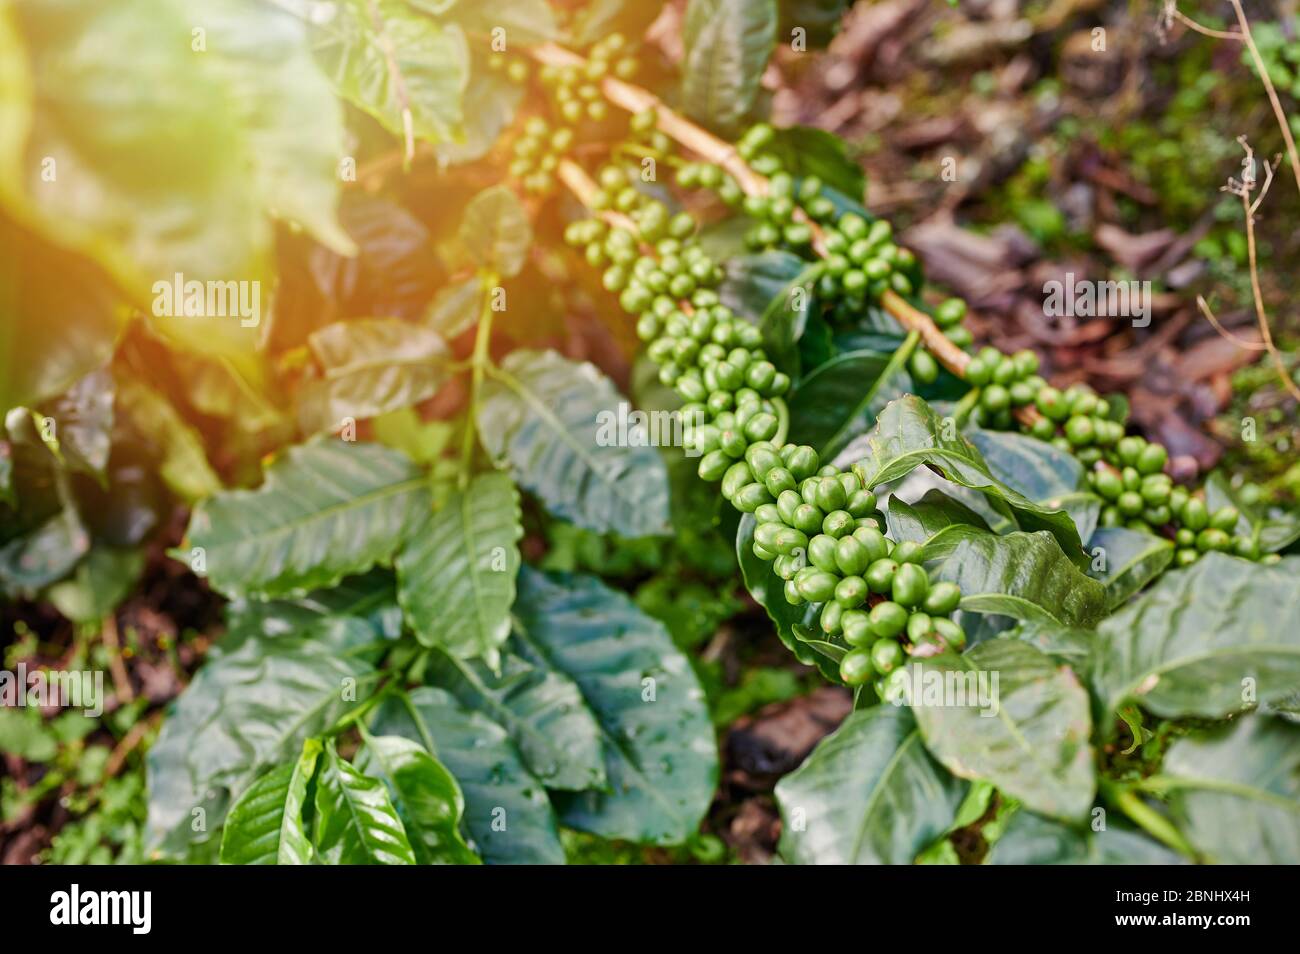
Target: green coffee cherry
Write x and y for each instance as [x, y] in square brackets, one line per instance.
[851, 592]
[838, 523]
[821, 553]
[856, 627]
[1194, 515]
[910, 585]
[874, 541]
[851, 556]
[856, 668]
[906, 552]
[918, 627]
[950, 633]
[880, 575]
[749, 497]
[888, 619]
[1225, 519]
[1152, 459]
[830, 618]
[736, 476]
[942, 599]
[713, 465]
[818, 587]
[886, 655]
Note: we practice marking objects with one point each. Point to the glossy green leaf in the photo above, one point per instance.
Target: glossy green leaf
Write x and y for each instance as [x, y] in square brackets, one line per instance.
[177, 446]
[243, 713]
[507, 814]
[370, 366]
[371, 597]
[43, 555]
[728, 43]
[753, 280]
[935, 512]
[909, 433]
[356, 821]
[359, 617]
[1034, 840]
[491, 102]
[841, 399]
[1024, 576]
[1032, 467]
[81, 422]
[254, 132]
[59, 315]
[161, 211]
[555, 421]
[295, 125]
[1066, 644]
[1021, 722]
[426, 797]
[541, 708]
[1083, 507]
[661, 759]
[1209, 640]
[327, 509]
[868, 794]
[1127, 560]
[404, 69]
[456, 571]
[266, 825]
[807, 151]
[1235, 791]
[597, 19]
[497, 231]
[100, 582]
[456, 307]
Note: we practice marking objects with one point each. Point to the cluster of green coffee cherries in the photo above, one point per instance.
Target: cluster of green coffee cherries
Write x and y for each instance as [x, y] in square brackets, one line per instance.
[644, 137]
[1006, 382]
[819, 527]
[515, 67]
[576, 97]
[576, 89]
[709, 355]
[1126, 471]
[537, 154]
[820, 530]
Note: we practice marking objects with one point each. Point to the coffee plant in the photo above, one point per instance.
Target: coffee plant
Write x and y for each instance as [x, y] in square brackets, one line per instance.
[396, 683]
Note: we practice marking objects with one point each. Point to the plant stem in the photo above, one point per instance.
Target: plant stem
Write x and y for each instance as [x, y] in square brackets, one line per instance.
[783, 421]
[478, 364]
[965, 406]
[1278, 112]
[1125, 799]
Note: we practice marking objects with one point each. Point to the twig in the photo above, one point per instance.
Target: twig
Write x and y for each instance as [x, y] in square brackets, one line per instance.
[1243, 188]
[720, 153]
[1172, 13]
[1239, 342]
[117, 758]
[121, 681]
[1278, 112]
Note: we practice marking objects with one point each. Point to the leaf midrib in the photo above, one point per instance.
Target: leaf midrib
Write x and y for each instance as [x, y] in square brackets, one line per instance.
[370, 496]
